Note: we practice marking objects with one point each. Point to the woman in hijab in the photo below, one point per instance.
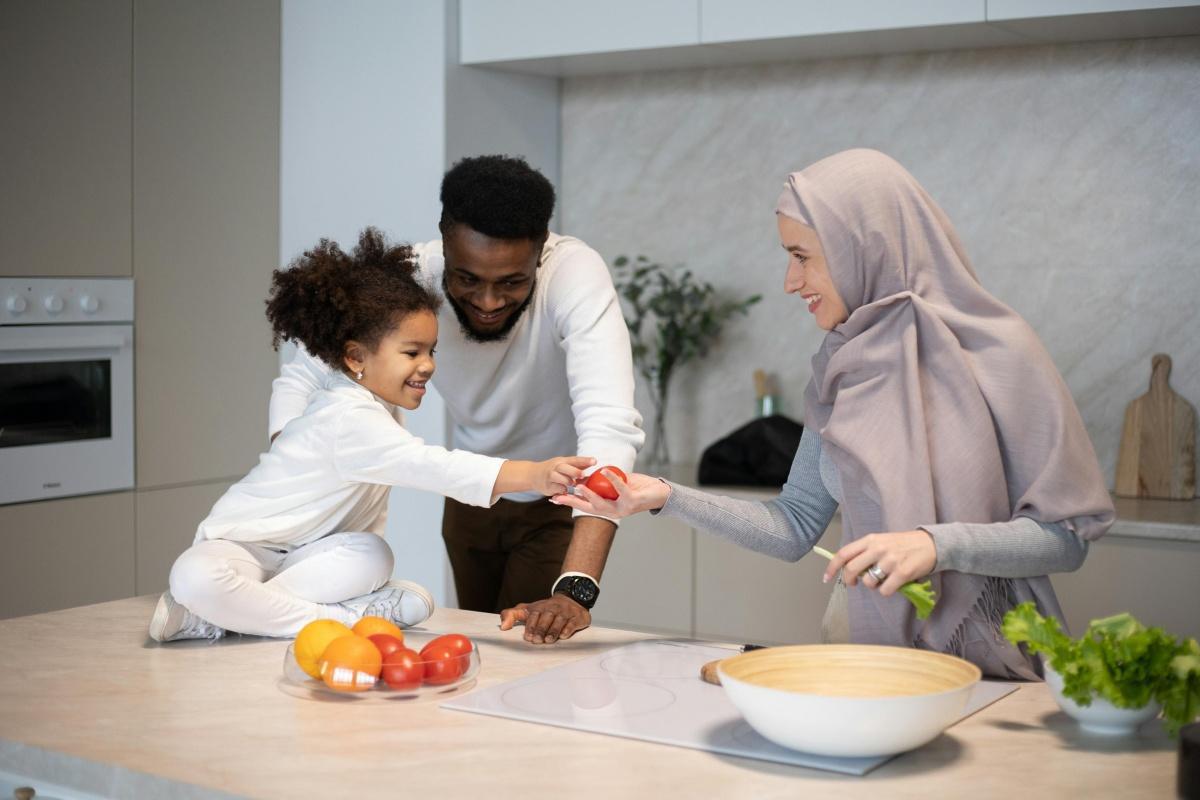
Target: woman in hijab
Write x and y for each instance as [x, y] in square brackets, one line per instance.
[934, 418]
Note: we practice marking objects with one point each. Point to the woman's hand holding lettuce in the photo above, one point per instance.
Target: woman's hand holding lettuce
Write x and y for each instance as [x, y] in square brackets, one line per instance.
[1117, 658]
[921, 595]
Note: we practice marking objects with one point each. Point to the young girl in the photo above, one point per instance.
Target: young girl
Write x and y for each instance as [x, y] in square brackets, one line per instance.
[300, 537]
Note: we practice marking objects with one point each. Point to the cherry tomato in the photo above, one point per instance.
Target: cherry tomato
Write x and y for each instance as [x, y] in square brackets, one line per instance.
[446, 658]
[402, 669]
[602, 485]
[385, 643]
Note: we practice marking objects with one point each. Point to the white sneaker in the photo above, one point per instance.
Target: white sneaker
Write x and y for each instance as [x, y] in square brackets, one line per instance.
[403, 602]
[172, 621]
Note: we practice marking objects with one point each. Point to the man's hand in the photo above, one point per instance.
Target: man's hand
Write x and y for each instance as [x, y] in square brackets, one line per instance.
[547, 621]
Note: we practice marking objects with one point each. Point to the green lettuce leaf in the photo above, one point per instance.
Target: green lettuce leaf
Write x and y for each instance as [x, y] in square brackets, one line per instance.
[1118, 659]
[921, 595]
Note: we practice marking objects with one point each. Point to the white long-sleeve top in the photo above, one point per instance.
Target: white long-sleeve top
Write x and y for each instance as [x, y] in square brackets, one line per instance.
[561, 382]
[331, 467]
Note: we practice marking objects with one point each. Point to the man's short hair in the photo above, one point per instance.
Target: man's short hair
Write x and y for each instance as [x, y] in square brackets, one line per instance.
[498, 196]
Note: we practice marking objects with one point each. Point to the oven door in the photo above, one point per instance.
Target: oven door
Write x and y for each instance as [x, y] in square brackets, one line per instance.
[66, 410]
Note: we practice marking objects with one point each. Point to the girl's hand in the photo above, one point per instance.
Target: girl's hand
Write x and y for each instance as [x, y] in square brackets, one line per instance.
[639, 493]
[904, 556]
[557, 475]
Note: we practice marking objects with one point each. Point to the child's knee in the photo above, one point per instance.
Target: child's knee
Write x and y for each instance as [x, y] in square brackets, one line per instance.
[194, 576]
[377, 551]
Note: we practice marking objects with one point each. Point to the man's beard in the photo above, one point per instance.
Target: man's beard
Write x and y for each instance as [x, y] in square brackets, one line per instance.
[497, 335]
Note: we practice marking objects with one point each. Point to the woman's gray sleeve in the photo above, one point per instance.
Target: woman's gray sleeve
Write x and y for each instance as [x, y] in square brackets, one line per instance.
[785, 528]
[1019, 548]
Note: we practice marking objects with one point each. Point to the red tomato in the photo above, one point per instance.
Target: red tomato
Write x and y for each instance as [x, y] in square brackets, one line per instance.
[385, 643]
[602, 485]
[402, 669]
[446, 658]
[458, 644]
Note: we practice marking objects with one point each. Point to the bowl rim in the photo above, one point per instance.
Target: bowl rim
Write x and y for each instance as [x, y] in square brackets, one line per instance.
[1106, 706]
[976, 672]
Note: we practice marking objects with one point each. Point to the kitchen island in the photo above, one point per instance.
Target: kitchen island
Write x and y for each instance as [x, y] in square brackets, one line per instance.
[86, 700]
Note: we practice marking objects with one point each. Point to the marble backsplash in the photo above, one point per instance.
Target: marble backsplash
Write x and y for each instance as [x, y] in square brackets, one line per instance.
[1072, 173]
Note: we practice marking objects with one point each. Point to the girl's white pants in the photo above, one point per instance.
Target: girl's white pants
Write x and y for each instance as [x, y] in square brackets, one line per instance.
[265, 590]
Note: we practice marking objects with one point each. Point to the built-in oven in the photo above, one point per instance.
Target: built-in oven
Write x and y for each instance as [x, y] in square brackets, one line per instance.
[66, 387]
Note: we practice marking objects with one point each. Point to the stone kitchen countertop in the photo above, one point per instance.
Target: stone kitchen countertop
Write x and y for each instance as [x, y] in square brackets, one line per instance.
[87, 701]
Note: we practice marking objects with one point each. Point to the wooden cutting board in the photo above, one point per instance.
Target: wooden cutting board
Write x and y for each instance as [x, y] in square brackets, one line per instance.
[1158, 445]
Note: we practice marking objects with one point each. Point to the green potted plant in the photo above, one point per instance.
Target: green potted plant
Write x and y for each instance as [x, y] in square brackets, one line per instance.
[672, 318]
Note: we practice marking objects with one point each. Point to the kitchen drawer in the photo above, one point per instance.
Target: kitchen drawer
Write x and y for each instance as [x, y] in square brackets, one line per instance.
[65, 553]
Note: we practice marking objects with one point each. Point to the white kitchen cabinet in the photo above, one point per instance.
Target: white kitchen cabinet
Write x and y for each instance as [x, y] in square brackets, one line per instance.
[647, 582]
[576, 37]
[1028, 9]
[536, 29]
[1088, 20]
[65, 553]
[65, 90]
[741, 20]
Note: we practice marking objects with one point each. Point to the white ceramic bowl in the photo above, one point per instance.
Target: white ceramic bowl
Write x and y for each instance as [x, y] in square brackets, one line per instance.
[1101, 716]
[848, 700]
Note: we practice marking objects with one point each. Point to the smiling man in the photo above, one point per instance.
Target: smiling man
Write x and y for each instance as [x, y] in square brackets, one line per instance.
[533, 361]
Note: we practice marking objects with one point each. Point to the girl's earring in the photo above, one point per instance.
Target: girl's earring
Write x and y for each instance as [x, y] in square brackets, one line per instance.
[359, 375]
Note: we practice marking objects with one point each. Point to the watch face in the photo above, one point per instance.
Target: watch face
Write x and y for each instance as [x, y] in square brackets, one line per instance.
[581, 590]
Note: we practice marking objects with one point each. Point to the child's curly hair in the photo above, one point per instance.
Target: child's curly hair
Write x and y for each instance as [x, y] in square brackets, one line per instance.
[325, 298]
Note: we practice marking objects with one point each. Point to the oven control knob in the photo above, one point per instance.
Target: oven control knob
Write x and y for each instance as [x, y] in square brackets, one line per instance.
[89, 304]
[16, 304]
[54, 304]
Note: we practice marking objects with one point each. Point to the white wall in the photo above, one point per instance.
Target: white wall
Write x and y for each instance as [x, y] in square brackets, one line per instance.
[1072, 173]
[374, 108]
[362, 142]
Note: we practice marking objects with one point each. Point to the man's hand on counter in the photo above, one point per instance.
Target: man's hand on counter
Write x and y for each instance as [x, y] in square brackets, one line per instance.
[547, 621]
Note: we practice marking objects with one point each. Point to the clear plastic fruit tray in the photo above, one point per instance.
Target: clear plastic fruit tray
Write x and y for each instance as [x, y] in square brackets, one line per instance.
[298, 683]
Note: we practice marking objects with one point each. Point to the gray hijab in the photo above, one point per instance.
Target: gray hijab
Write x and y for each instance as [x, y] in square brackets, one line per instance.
[937, 403]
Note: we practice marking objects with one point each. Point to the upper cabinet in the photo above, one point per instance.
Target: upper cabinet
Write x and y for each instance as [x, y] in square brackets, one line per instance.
[579, 37]
[532, 29]
[1085, 20]
[65, 86]
[741, 20]
[1029, 9]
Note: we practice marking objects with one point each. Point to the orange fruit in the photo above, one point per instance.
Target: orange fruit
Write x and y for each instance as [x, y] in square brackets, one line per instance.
[351, 664]
[311, 643]
[369, 626]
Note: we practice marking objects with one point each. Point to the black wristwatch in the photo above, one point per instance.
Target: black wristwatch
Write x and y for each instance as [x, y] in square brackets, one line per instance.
[580, 588]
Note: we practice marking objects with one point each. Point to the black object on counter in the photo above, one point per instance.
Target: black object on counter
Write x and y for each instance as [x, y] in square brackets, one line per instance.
[759, 453]
[1187, 783]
